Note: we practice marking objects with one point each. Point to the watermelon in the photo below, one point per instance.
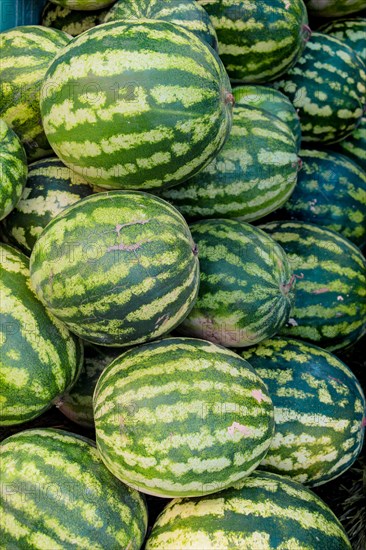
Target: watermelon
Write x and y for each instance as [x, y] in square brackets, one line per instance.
[330, 192]
[83, 5]
[40, 358]
[264, 512]
[319, 410]
[26, 53]
[355, 145]
[247, 288]
[57, 494]
[351, 31]
[77, 404]
[153, 113]
[186, 13]
[330, 300]
[119, 268]
[13, 169]
[181, 417]
[253, 175]
[50, 188]
[270, 100]
[334, 8]
[72, 22]
[328, 87]
[258, 41]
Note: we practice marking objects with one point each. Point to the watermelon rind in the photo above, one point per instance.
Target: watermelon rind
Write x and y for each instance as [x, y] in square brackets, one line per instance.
[320, 410]
[26, 53]
[330, 300]
[181, 417]
[57, 494]
[118, 268]
[187, 13]
[253, 175]
[330, 192]
[141, 118]
[41, 359]
[265, 511]
[50, 188]
[246, 285]
[13, 169]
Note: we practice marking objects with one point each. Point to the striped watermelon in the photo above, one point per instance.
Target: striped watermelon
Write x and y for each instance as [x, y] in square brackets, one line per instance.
[351, 31]
[72, 22]
[57, 494]
[246, 289]
[26, 53]
[330, 300]
[83, 5]
[186, 13]
[119, 268]
[77, 404]
[330, 192]
[319, 410]
[334, 8]
[328, 87]
[269, 99]
[253, 175]
[264, 512]
[181, 417]
[13, 169]
[40, 358]
[50, 188]
[145, 117]
[258, 41]
[354, 146]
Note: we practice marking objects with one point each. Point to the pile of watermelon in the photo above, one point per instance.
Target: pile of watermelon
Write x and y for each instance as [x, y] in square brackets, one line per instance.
[183, 287]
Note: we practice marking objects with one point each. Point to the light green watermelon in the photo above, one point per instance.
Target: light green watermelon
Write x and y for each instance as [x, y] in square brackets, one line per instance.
[320, 410]
[119, 268]
[138, 118]
[271, 100]
[40, 359]
[57, 494]
[181, 417]
[330, 192]
[246, 285]
[258, 41]
[13, 169]
[264, 512]
[328, 87]
[72, 22]
[26, 53]
[50, 188]
[330, 299]
[186, 13]
[253, 175]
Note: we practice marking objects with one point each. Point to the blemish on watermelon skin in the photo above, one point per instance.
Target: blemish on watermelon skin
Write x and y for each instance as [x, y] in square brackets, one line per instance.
[321, 291]
[121, 226]
[240, 428]
[363, 423]
[258, 395]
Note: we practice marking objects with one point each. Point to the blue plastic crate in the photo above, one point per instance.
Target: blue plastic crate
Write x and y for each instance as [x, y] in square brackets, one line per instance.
[20, 12]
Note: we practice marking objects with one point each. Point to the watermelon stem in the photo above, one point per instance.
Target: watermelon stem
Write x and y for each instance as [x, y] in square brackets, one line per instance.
[58, 401]
[307, 32]
[229, 98]
[288, 286]
[195, 250]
